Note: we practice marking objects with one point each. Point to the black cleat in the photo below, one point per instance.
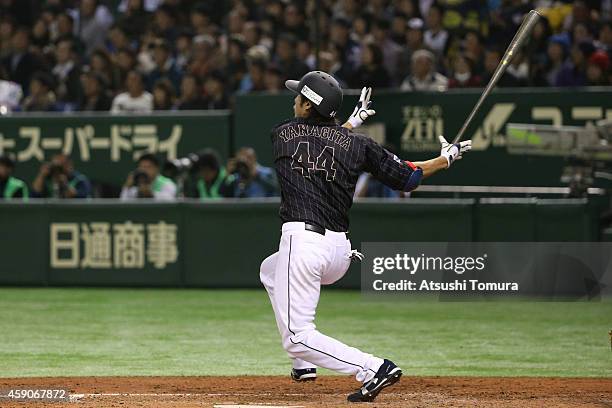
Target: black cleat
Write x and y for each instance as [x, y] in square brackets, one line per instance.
[388, 374]
[304, 374]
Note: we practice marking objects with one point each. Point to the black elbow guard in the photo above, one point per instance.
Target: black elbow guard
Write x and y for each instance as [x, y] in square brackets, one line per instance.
[414, 180]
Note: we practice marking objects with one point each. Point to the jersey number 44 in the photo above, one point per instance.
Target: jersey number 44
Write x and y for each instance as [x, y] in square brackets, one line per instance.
[324, 163]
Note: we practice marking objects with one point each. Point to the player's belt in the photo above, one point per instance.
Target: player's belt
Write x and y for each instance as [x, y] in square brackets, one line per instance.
[317, 229]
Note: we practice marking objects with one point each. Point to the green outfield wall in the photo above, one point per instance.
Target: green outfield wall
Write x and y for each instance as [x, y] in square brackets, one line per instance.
[412, 122]
[104, 146]
[191, 244]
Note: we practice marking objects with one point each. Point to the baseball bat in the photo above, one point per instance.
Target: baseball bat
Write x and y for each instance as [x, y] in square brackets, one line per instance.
[519, 38]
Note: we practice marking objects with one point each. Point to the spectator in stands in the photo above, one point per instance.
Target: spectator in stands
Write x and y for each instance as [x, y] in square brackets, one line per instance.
[235, 21]
[605, 37]
[213, 182]
[191, 94]
[202, 37]
[304, 53]
[250, 178]
[64, 26]
[371, 72]
[237, 67]
[41, 97]
[406, 7]
[274, 80]
[125, 63]
[10, 93]
[596, 69]
[95, 96]
[163, 95]
[11, 187]
[200, 18]
[339, 37]
[414, 42]
[101, 64]
[40, 37]
[390, 50]
[518, 69]
[146, 182]
[254, 80]
[328, 63]
[538, 43]
[184, 42]
[215, 96]
[581, 33]
[474, 50]
[573, 72]
[399, 26]
[424, 77]
[164, 23]
[59, 179]
[252, 34]
[92, 21]
[435, 36]
[136, 99]
[206, 56]
[293, 22]
[118, 39]
[135, 18]
[165, 66]
[492, 58]
[67, 74]
[415, 34]
[463, 73]
[144, 53]
[556, 54]
[7, 30]
[21, 64]
[287, 60]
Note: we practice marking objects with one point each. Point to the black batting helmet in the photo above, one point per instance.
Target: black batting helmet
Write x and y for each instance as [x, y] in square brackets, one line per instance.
[321, 89]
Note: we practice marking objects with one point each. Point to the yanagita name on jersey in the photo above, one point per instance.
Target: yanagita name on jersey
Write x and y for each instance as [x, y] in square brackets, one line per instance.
[324, 132]
[454, 286]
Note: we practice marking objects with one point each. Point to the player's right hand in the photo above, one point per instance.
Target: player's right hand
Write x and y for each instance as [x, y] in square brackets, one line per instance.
[452, 152]
[362, 111]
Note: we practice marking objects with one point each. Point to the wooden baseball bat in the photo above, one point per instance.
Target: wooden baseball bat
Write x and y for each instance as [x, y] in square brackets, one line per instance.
[519, 39]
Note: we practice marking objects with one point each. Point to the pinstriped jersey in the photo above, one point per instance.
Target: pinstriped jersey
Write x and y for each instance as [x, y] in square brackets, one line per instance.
[318, 166]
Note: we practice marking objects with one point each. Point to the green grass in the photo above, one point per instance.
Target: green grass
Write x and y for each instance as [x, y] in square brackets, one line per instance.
[75, 332]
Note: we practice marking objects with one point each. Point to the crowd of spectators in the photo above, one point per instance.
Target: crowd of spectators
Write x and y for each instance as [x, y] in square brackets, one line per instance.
[144, 55]
[207, 178]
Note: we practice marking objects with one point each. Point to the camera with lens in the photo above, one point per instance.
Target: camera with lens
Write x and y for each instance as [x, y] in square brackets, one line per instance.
[182, 165]
[242, 169]
[55, 170]
[140, 178]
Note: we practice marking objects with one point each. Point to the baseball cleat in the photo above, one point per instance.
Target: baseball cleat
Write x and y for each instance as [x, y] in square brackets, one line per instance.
[388, 374]
[304, 374]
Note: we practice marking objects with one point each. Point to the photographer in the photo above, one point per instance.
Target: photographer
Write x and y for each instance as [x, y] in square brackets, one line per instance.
[146, 182]
[10, 187]
[213, 182]
[250, 178]
[58, 179]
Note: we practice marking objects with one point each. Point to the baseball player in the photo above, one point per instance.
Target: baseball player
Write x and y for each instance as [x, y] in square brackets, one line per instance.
[318, 163]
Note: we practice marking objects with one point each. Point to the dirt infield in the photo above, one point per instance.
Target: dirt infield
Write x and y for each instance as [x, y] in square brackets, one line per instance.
[327, 391]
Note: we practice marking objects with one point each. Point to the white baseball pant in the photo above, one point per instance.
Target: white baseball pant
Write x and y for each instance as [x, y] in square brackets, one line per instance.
[293, 277]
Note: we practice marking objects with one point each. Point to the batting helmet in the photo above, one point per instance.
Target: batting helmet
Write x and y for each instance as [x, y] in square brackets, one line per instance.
[321, 89]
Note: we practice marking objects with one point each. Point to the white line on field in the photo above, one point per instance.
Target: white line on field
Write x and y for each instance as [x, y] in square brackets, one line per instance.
[75, 397]
[226, 394]
[258, 406]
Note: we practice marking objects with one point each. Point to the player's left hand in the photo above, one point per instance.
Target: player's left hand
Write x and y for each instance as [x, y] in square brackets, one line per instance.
[452, 152]
[362, 111]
